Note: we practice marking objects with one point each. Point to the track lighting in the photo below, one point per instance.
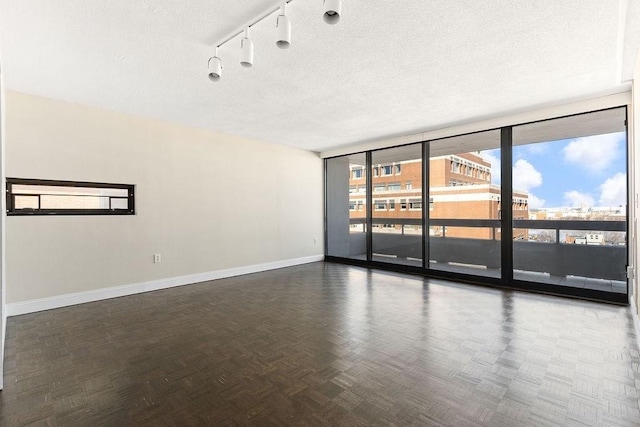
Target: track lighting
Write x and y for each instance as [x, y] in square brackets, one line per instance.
[246, 50]
[332, 11]
[215, 67]
[283, 28]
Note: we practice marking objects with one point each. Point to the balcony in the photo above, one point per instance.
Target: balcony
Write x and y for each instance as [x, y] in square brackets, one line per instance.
[598, 267]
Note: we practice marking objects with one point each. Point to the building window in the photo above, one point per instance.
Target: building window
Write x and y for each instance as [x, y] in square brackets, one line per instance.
[398, 169]
[379, 188]
[357, 173]
[380, 205]
[408, 185]
[376, 171]
[403, 204]
[430, 203]
[352, 188]
[47, 197]
[352, 206]
[392, 205]
[387, 170]
[394, 186]
[415, 204]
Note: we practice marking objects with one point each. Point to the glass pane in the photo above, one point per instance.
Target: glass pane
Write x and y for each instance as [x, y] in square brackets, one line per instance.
[397, 205]
[64, 190]
[73, 202]
[26, 202]
[120, 203]
[346, 206]
[573, 172]
[464, 204]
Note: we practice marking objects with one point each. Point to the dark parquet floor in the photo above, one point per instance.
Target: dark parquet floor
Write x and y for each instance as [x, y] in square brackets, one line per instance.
[324, 344]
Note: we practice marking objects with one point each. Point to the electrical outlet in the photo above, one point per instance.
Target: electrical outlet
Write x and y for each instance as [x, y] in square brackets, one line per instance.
[157, 258]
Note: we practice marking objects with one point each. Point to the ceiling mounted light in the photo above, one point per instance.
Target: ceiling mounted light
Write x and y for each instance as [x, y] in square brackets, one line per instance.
[246, 50]
[215, 67]
[283, 28]
[332, 11]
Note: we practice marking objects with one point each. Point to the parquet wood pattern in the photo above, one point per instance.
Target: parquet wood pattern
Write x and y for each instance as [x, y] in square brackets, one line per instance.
[324, 344]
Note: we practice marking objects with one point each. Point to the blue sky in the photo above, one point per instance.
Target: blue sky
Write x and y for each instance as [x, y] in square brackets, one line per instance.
[586, 171]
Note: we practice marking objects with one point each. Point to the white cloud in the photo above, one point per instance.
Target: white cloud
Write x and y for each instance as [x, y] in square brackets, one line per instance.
[537, 149]
[535, 202]
[495, 165]
[613, 192]
[594, 152]
[577, 199]
[525, 176]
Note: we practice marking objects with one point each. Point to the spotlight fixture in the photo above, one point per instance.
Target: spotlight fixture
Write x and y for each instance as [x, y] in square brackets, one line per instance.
[283, 28]
[246, 50]
[332, 11]
[215, 67]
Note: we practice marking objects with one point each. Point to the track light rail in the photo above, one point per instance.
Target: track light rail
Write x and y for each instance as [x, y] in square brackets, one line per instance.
[332, 11]
[264, 15]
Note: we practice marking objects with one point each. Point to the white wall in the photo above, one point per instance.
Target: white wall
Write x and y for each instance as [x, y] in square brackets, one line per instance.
[205, 201]
[634, 138]
[3, 310]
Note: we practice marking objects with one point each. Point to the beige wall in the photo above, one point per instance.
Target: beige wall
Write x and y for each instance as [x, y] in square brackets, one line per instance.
[205, 201]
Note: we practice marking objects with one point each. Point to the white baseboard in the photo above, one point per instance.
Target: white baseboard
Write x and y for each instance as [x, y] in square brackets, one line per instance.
[636, 320]
[32, 306]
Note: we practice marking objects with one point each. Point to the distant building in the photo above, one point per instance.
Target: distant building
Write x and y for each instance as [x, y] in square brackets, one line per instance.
[586, 239]
[460, 188]
[618, 213]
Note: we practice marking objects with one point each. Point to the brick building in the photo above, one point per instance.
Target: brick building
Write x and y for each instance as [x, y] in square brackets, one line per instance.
[460, 188]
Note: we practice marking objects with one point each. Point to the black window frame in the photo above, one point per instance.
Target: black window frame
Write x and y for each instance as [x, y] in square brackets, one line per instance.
[506, 219]
[10, 197]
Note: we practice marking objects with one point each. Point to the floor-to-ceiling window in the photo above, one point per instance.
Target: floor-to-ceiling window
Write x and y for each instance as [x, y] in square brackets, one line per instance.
[396, 225]
[572, 174]
[464, 204]
[540, 206]
[346, 206]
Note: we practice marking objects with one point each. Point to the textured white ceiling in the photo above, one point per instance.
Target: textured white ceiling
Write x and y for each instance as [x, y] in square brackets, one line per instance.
[387, 68]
